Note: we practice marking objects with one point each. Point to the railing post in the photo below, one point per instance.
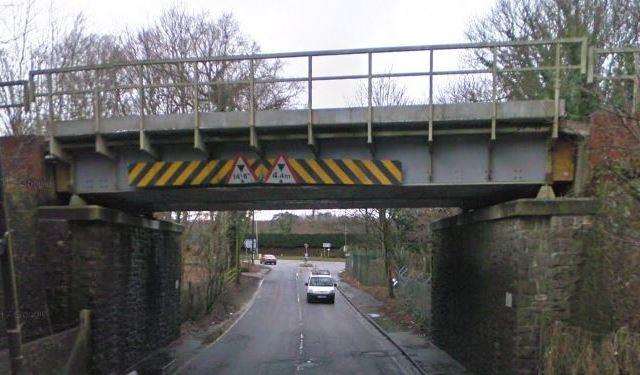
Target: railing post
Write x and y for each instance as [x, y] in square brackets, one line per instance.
[430, 131]
[636, 83]
[54, 146]
[584, 50]
[370, 101]
[100, 144]
[145, 144]
[494, 92]
[556, 112]
[141, 93]
[430, 95]
[96, 109]
[591, 65]
[310, 136]
[50, 104]
[32, 88]
[26, 96]
[494, 112]
[198, 142]
[253, 136]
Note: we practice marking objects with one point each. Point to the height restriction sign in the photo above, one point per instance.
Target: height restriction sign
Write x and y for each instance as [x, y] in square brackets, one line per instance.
[280, 173]
[241, 173]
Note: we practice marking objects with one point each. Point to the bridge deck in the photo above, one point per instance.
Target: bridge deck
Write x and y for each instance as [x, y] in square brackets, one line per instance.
[462, 167]
[393, 119]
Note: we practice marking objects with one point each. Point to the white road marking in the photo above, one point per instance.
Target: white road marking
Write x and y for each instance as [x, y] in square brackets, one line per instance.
[246, 308]
[301, 347]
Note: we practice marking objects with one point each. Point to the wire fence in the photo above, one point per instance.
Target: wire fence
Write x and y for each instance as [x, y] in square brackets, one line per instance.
[202, 285]
[411, 279]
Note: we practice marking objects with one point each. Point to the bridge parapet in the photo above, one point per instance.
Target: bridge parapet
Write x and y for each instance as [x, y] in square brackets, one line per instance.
[198, 85]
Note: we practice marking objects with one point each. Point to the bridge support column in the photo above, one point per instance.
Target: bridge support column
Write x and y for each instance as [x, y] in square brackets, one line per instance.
[126, 270]
[26, 183]
[501, 275]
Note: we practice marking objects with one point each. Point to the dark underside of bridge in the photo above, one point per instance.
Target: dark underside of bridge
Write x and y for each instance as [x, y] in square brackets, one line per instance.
[313, 197]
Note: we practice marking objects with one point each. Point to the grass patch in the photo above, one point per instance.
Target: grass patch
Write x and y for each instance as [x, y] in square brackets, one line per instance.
[572, 350]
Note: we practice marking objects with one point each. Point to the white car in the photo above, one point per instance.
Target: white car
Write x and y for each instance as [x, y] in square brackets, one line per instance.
[321, 288]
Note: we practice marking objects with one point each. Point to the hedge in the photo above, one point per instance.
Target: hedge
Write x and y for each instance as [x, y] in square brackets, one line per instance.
[276, 240]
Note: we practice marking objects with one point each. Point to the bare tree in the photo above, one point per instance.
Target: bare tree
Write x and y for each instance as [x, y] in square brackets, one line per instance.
[384, 92]
[604, 23]
[17, 30]
[178, 34]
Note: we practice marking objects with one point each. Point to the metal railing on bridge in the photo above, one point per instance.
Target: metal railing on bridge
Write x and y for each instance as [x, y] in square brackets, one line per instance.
[126, 86]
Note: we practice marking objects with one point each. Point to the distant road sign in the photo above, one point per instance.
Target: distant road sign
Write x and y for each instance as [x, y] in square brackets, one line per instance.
[326, 245]
[280, 172]
[249, 243]
[241, 173]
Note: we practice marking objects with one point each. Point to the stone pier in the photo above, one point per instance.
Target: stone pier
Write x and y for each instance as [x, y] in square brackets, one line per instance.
[500, 275]
[126, 270]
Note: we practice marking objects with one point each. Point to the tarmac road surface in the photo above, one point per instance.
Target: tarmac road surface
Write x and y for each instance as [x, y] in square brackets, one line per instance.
[281, 333]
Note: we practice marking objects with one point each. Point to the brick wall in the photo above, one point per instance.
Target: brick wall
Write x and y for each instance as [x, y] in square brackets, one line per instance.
[129, 277]
[26, 183]
[528, 253]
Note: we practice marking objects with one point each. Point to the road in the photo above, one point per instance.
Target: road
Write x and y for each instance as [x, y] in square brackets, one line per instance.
[281, 333]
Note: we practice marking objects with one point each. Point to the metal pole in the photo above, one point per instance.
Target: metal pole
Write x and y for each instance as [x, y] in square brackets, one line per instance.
[430, 96]
[11, 306]
[256, 229]
[310, 139]
[10, 291]
[253, 232]
[636, 83]
[494, 93]
[556, 115]
[345, 235]
[237, 243]
[370, 100]
[253, 137]
[430, 130]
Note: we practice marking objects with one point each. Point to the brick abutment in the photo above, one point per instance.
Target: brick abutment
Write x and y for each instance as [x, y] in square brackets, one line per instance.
[501, 276]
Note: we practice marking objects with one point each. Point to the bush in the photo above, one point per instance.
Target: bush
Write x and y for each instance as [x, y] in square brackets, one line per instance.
[281, 240]
[572, 350]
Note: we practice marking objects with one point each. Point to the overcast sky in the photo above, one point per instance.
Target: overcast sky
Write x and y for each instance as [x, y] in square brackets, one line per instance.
[294, 25]
[291, 25]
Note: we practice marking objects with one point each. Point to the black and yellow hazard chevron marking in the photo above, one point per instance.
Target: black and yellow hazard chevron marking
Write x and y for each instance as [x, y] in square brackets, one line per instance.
[307, 172]
[179, 173]
[347, 171]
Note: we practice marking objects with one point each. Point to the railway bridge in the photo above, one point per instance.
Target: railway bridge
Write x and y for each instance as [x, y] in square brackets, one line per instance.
[124, 140]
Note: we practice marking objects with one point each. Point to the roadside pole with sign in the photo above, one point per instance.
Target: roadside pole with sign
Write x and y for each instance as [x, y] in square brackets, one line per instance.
[326, 246]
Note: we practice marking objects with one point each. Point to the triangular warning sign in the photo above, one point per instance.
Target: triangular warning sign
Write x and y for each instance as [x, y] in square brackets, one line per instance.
[241, 173]
[280, 173]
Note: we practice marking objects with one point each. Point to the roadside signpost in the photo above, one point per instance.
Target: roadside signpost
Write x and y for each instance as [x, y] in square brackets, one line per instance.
[250, 243]
[327, 248]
